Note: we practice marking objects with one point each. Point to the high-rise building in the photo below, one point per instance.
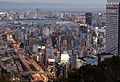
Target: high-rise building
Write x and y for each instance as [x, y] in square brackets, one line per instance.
[88, 18]
[113, 27]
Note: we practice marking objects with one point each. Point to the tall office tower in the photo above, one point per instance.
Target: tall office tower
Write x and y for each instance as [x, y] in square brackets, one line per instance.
[88, 18]
[113, 27]
[26, 41]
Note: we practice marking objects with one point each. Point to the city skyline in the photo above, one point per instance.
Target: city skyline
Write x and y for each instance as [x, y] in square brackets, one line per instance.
[59, 40]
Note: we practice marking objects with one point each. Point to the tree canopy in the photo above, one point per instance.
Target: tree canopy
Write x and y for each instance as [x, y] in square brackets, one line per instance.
[106, 71]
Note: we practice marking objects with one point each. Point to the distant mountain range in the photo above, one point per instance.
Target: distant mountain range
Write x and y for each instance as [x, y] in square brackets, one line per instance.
[16, 5]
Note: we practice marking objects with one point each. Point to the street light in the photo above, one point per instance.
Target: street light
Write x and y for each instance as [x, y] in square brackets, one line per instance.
[13, 79]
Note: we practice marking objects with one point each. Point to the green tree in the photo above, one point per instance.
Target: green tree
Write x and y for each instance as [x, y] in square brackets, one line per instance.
[107, 71]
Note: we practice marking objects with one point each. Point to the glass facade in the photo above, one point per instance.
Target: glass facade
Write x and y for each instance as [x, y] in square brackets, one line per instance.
[113, 27]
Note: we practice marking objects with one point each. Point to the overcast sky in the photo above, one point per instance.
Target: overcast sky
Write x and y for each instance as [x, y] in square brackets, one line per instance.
[61, 1]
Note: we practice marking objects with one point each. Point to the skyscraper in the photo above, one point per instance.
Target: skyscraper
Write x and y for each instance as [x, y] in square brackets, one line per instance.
[113, 27]
[88, 18]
